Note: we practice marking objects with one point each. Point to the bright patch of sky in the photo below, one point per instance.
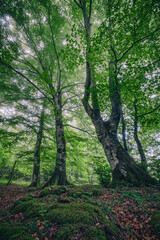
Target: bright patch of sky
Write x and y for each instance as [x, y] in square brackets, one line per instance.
[64, 42]
[153, 96]
[7, 112]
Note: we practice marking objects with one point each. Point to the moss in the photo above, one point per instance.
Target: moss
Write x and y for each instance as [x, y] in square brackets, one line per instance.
[13, 232]
[21, 237]
[66, 216]
[76, 193]
[36, 210]
[21, 200]
[66, 200]
[155, 220]
[59, 190]
[45, 192]
[91, 233]
[97, 192]
[22, 207]
[25, 199]
[65, 233]
[95, 234]
[78, 213]
[86, 190]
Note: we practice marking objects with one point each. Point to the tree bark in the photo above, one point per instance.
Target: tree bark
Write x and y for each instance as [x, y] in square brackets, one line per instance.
[58, 176]
[36, 167]
[124, 168]
[138, 142]
[12, 172]
[124, 131]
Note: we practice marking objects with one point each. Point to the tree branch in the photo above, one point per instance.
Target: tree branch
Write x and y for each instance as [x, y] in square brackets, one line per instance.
[70, 98]
[55, 49]
[78, 4]
[21, 74]
[72, 85]
[68, 125]
[90, 9]
[139, 40]
[149, 112]
[31, 42]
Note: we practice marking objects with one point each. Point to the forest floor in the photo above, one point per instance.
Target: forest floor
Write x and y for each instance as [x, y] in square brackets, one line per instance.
[129, 208]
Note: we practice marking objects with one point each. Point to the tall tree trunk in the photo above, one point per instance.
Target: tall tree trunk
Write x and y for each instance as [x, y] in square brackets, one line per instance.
[137, 140]
[124, 168]
[12, 172]
[124, 131]
[58, 176]
[36, 167]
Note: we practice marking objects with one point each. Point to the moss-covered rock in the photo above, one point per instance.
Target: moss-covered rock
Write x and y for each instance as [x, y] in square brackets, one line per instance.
[59, 190]
[13, 233]
[78, 213]
[66, 216]
[95, 233]
[86, 190]
[77, 193]
[66, 200]
[36, 210]
[21, 200]
[45, 192]
[155, 220]
[86, 233]
[65, 233]
[22, 206]
[31, 209]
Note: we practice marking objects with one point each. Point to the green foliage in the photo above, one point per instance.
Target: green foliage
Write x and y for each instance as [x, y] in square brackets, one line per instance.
[103, 170]
[154, 168]
[45, 41]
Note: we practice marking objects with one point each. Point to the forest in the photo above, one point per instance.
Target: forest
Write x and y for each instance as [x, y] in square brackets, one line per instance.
[79, 119]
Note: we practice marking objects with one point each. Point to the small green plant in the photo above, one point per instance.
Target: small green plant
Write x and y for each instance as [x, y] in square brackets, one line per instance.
[103, 170]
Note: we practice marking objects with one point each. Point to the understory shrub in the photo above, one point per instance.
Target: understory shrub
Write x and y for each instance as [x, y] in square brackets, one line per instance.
[103, 170]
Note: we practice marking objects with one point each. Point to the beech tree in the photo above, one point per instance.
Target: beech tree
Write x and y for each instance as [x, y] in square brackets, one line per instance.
[38, 30]
[124, 168]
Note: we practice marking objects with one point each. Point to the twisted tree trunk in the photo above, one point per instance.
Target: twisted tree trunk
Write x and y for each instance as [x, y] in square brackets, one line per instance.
[124, 168]
[138, 142]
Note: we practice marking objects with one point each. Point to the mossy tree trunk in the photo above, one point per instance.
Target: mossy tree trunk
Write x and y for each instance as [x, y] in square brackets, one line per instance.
[124, 168]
